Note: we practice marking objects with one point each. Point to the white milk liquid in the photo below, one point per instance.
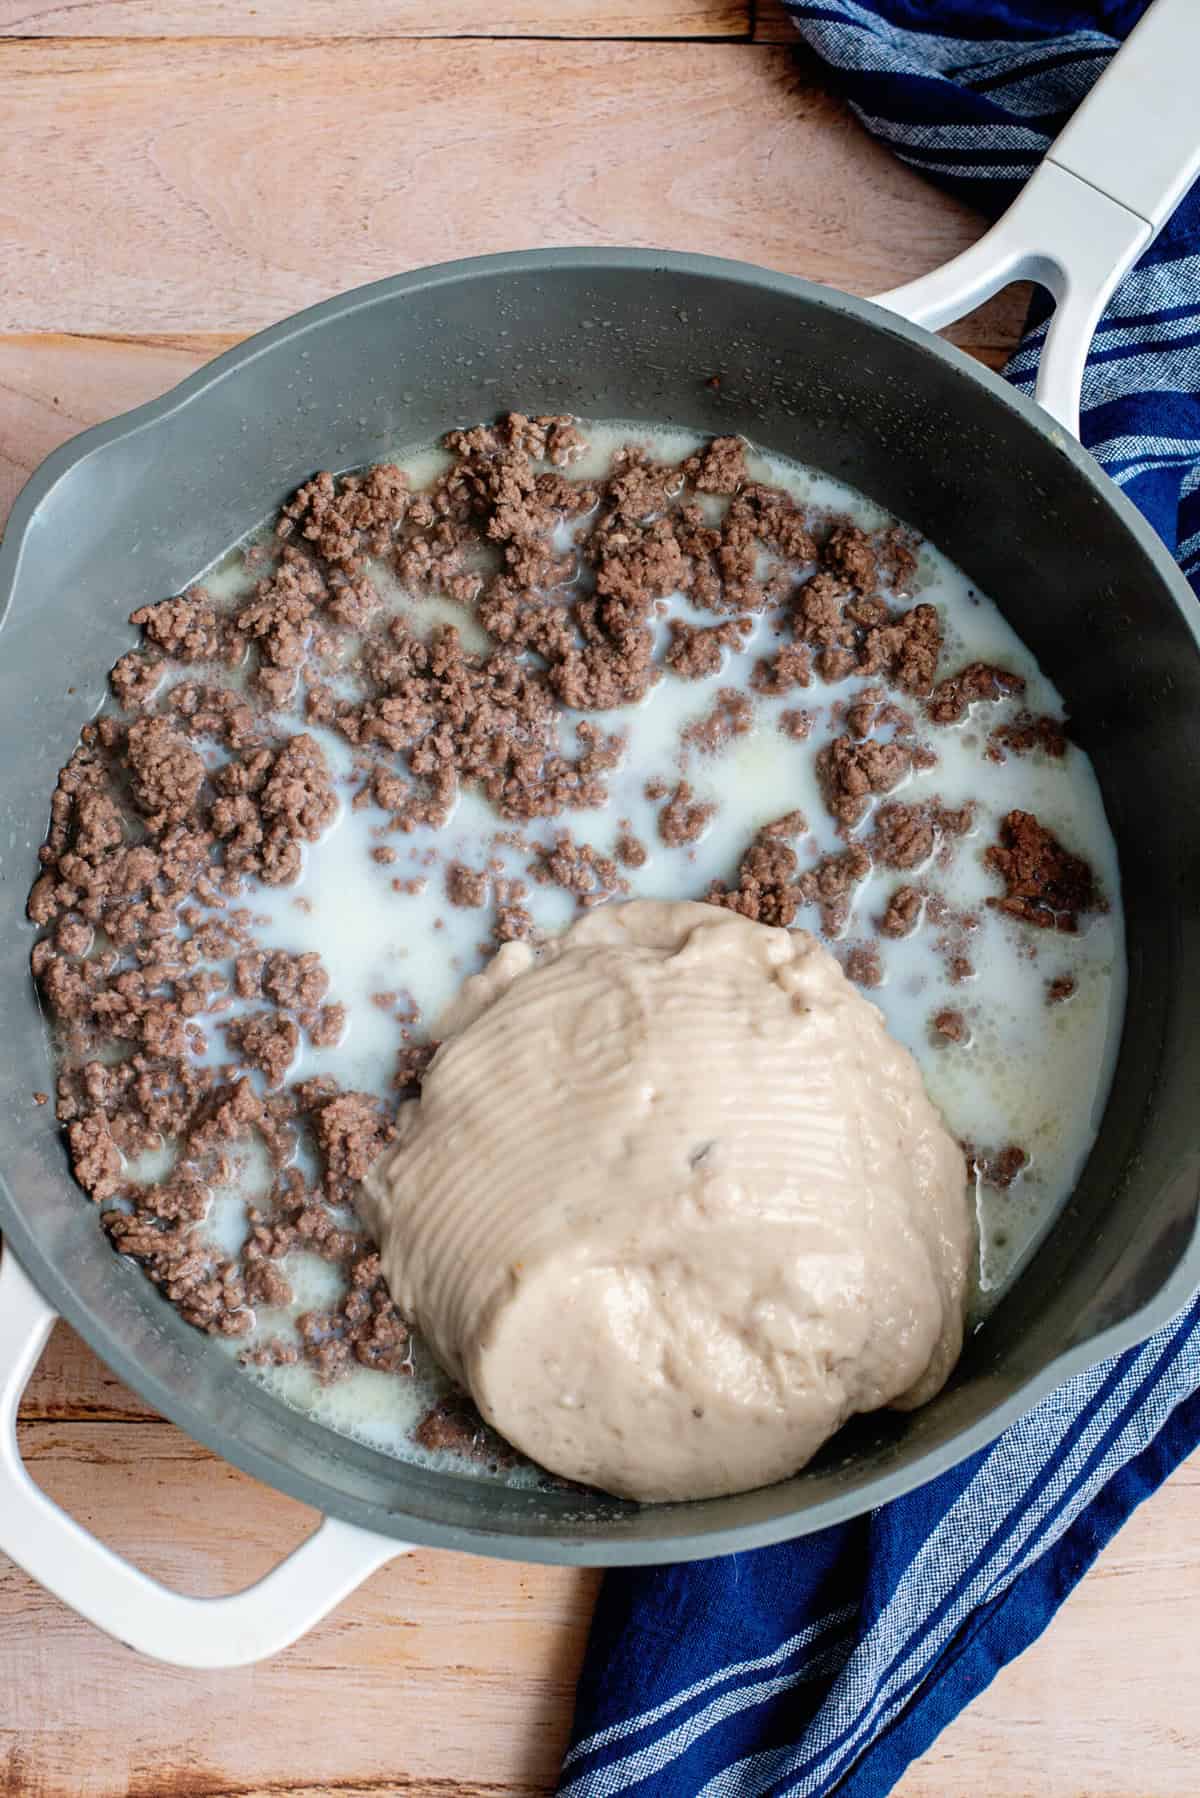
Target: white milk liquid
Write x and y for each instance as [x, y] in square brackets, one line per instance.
[1031, 1074]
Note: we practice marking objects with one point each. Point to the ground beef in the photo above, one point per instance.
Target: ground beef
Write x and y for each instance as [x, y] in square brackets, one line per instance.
[1045, 884]
[830, 885]
[903, 836]
[897, 551]
[766, 889]
[720, 467]
[789, 667]
[1060, 989]
[364, 1327]
[95, 1158]
[725, 562]
[268, 803]
[218, 712]
[997, 1167]
[848, 553]
[296, 794]
[185, 629]
[863, 964]
[797, 725]
[165, 773]
[953, 697]
[697, 651]
[297, 982]
[578, 868]
[377, 1334]
[903, 912]
[327, 1026]
[771, 887]
[351, 1129]
[280, 617]
[411, 1064]
[247, 974]
[466, 887]
[949, 1026]
[1025, 734]
[514, 924]
[489, 721]
[629, 851]
[265, 1285]
[730, 715]
[453, 1426]
[906, 836]
[345, 519]
[135, 680]
[267, 1041]
[851, 771]
[854, 633]
[905, 650]
[684, 818]
[790, 824]
[871, 710]
[206, 1288]
[819, 618]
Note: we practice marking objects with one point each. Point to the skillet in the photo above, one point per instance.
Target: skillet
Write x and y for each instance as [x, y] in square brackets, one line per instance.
[135, 509]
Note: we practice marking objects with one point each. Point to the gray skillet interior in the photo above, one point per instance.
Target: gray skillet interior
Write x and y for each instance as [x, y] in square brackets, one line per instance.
[132, 511]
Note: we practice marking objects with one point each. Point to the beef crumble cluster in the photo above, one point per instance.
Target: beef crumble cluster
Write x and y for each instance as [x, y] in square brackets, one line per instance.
[207, 781]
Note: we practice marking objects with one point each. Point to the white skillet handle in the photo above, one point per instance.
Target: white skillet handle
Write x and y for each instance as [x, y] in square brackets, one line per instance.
[1108, 184]
[62, 1556]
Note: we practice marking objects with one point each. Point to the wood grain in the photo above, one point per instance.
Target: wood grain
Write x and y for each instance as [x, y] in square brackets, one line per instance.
[445, 1673]
[210, 192]
[377, 18]
[69, 1384]
[53, 387]
[1104, 1704]
[772, 23]
[450, 1675]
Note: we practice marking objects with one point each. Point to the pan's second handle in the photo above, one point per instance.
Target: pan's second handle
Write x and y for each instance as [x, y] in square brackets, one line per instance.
[62, 1556]
[1107, 185]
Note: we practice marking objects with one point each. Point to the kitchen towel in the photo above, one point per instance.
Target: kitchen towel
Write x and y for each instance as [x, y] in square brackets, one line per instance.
[828, 1664]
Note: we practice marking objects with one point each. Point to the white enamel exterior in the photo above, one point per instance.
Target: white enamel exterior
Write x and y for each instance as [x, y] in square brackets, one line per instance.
[1105, 189]
[139, 1611]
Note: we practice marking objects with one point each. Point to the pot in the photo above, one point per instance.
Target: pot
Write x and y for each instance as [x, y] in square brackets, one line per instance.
[134, 509]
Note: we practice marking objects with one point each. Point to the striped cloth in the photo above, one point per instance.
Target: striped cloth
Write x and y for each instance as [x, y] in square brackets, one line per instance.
[830, 1663]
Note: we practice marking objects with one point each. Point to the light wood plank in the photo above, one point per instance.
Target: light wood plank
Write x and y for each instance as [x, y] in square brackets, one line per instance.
[204, 192]
[772, 23]
[453, 1675]
[1104, 1704]
[445, 1673]
[377, 18]
[51, 388]
[71, 1384]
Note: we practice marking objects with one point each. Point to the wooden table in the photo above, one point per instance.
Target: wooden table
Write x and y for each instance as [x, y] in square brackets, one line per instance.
[161, 195]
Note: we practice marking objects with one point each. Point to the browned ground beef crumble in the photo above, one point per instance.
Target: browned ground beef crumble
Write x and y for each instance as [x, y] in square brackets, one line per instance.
[950, 1026]
[164, 812]
[1045, 884]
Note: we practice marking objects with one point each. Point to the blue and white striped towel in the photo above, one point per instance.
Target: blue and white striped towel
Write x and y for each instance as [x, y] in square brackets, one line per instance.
[830, 1663]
